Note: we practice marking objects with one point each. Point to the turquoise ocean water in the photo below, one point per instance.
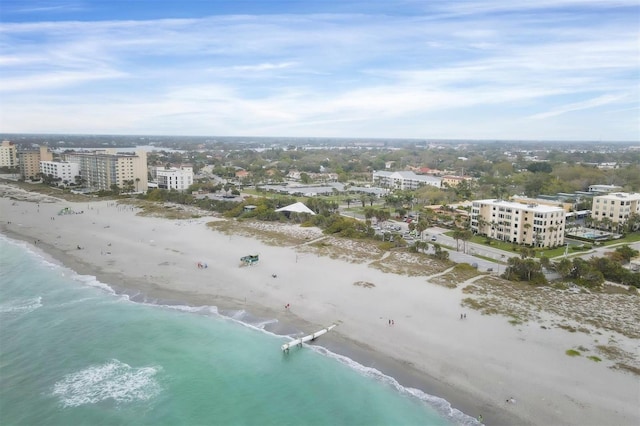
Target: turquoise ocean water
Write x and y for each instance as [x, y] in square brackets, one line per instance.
[74, 353]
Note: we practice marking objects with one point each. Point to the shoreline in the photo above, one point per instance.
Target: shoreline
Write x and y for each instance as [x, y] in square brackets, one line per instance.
[406, 375]
[463, 370]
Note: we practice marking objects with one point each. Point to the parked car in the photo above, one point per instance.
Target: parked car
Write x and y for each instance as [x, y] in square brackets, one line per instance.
[434, 238]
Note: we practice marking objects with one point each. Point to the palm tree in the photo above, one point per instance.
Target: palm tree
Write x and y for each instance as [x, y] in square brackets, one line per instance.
[481, 225]
[527, 226]
[456, 236]
[421, 226]
[465, 236]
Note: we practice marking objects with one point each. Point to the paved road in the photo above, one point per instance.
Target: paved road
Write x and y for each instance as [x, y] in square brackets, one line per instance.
[500, 257]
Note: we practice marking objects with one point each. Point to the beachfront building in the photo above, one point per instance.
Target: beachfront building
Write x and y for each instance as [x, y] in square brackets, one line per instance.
[61, 171]
[102, 169]
[8, 154]
[528, 224]
[29, 161]
[178, 178]
[404, 180]
[615, 208]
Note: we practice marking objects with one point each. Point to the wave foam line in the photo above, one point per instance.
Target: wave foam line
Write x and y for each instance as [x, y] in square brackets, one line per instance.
[441, 405]
[21, 306]
[47, 261]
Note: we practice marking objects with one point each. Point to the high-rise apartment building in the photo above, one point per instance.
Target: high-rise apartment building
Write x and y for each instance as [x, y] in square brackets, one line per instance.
[8, 154]
[102, 169]
[29, 161]
[529, 224]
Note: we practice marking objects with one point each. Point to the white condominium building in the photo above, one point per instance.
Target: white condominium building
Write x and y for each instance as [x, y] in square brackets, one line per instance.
[404, 180]
[616, 207]
[529, 224]
[102, 169]
[178, 178]
[8, 154]
[64, 171]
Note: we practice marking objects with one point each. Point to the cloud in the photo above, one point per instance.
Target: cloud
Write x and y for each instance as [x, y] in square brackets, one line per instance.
[577, 106]
[263, 67]
[318, 73]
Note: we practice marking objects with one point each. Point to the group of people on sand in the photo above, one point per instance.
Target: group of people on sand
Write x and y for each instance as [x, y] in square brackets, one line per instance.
[202, 265]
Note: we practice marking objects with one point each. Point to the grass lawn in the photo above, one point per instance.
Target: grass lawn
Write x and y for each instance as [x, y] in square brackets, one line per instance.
[629, 238]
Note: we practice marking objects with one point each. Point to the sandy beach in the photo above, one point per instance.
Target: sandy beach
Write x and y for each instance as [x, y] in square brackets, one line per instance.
[477, 363]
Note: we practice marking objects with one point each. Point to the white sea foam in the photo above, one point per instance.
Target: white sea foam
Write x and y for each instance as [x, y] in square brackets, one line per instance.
[73, 302]
[49, 262]
[21, 306]
[92, 281]
[206, 309]
[113, 380]
[442, 406]
[237, 315]
[44, 258]
[262, 324]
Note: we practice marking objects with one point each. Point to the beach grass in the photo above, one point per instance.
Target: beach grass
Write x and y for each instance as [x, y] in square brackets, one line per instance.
[406, 263]
[573, 352]
[626, 367]
[272, 234]
[457, 275]
[166, 210]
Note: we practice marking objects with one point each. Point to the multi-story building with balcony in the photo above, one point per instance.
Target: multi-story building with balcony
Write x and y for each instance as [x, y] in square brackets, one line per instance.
[615, 208]
[528, 224]
[63, 171]
[8, 154]
[102, 169]
[404, 180]
[29, 161]
[178, 178]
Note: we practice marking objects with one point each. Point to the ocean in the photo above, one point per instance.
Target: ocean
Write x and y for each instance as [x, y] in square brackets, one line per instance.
[73, 352]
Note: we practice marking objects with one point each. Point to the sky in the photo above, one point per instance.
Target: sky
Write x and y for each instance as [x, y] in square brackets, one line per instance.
[426, 69]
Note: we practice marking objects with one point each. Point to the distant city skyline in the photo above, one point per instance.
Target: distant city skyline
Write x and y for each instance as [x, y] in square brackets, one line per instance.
[496, 70]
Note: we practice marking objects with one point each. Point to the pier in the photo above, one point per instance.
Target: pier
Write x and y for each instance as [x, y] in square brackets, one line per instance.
[300, 341]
